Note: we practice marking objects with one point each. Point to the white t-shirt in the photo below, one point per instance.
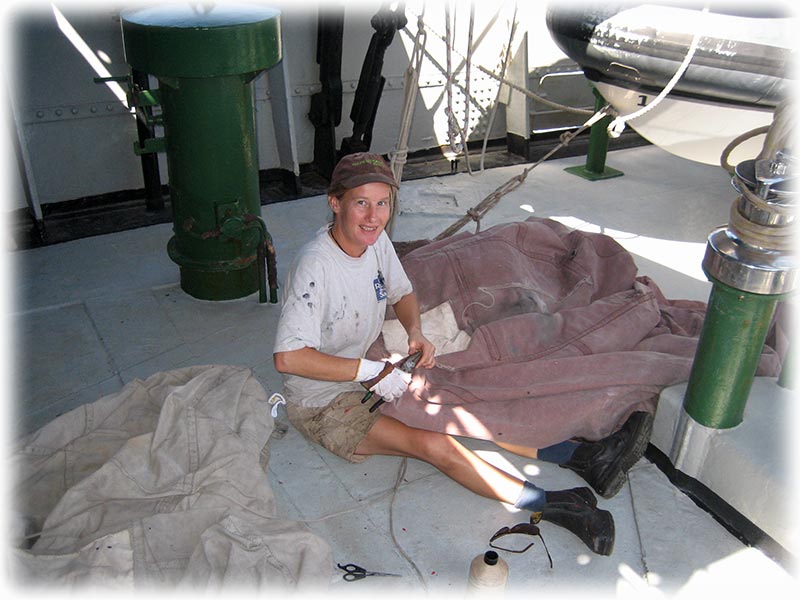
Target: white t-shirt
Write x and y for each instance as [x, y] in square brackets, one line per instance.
[336, 304]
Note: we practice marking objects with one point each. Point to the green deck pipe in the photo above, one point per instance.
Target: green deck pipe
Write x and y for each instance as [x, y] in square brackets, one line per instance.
[595, 167]
[727, 355]
[205, 59]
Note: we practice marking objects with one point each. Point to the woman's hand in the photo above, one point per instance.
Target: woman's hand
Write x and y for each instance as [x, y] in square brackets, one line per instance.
[416, 342]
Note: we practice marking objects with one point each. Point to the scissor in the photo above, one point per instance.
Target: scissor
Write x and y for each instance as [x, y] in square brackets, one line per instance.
[354, 572]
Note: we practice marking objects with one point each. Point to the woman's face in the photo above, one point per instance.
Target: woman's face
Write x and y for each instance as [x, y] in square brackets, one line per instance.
[361, 215]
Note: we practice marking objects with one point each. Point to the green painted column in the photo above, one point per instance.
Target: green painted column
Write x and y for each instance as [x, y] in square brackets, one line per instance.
[206, 58]
[727, 356]
[752, 265]
[595, 167]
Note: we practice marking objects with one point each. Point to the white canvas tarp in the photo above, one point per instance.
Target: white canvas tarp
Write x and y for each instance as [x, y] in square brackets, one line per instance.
[161, 484]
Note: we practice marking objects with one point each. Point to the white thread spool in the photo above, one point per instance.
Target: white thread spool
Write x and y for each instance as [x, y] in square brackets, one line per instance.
[488, 574]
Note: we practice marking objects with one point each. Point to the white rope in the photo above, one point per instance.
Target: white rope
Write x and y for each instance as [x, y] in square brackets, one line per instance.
[617, 126]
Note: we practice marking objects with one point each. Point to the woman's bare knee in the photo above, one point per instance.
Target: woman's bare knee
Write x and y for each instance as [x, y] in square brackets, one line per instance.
[391, 437]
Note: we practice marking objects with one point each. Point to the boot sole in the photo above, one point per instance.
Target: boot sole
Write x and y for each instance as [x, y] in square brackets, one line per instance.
[612, 481]
[600, 540]
[604, 545]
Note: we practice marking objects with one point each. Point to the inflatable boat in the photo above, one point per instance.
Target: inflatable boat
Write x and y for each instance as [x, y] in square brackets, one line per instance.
[737, 61]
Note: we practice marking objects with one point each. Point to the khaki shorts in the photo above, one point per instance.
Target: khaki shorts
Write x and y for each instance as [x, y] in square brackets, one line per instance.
[338, 427]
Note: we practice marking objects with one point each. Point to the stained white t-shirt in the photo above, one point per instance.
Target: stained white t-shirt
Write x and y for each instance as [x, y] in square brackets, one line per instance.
[336, 304]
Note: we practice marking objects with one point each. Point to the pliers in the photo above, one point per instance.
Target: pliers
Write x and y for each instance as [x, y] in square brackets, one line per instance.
[407, 364]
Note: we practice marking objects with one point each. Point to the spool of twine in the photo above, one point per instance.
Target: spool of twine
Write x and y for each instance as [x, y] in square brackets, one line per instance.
[488, 574]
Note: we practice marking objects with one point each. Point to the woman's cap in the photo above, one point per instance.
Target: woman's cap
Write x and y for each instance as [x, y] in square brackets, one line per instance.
[354, 170]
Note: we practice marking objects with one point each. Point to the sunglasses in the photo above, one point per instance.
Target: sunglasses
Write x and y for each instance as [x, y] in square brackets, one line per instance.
[520, 529]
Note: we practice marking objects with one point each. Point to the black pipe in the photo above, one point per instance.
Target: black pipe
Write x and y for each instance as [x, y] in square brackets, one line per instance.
[154, 200]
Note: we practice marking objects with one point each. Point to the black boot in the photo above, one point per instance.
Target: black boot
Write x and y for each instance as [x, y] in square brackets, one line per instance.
[576, 511]
[578, 494]
[603, 464]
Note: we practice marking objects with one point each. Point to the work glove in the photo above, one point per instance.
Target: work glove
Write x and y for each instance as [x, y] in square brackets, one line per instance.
[392, 382]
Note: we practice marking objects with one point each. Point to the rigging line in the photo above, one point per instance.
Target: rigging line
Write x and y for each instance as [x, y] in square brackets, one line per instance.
[449, 91]
[399, 156]
[476, 213]
[454, 128]
[538, 98]
[535, 96]
[467, 96]
[503, 68]
[617, 126]
[463, 132]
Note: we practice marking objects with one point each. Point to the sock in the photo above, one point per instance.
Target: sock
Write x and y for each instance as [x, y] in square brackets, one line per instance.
[558, 453]
[531, 498]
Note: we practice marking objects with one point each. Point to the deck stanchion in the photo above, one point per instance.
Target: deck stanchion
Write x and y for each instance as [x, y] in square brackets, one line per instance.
[595, 167]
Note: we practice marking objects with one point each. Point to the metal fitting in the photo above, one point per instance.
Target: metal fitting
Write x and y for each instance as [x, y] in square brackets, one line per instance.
[755, 251]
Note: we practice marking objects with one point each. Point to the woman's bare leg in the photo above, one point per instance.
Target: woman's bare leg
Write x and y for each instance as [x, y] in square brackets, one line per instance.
[525, 451]
[391, 437]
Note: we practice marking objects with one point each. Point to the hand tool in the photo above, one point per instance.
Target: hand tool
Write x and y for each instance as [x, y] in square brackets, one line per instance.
[354, 572]
[406, 364]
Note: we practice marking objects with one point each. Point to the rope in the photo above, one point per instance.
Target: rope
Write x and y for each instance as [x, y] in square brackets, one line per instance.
[401, 472]
[503, 69]
[617, 126]
[452, 126]
[763, 236]
[467, 96]
[399, 156]
[477, 212]
[723, 160]
[530, 94]
[537, 97]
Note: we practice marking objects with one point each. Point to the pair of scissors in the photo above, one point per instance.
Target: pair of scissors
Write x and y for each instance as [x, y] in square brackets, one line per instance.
[354, 572]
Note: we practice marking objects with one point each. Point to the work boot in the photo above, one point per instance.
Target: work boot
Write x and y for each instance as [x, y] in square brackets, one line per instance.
[604, 464]
[580, 515]
[578, 494]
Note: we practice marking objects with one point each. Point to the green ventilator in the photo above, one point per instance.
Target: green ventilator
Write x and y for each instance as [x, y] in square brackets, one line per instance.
[206, 58]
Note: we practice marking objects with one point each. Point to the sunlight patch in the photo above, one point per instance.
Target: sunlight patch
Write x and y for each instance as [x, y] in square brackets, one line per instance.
[683, 257]
[89, 56]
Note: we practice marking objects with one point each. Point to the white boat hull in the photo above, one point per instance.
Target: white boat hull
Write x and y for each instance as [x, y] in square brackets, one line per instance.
[697, 131]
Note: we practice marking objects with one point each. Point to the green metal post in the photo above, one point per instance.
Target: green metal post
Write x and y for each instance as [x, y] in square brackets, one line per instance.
[595, 167]
[205, 60]
[788, 376]
[213, 173]
[727, 355]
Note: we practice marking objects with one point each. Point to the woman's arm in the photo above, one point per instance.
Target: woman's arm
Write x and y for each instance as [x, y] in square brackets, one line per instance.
[407, 311]
[313, 364]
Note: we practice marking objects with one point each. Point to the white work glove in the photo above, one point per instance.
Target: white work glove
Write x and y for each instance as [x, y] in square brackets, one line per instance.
[368, 369]
[391, 386]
